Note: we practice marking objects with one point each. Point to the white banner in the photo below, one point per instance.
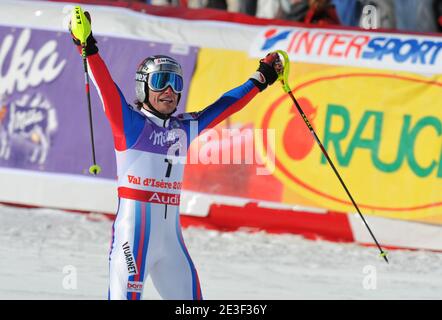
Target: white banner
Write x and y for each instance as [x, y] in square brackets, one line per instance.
[419, 54]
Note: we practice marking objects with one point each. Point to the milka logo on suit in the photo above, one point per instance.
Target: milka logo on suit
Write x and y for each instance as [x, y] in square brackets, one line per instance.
[164, 138]
[130, 260]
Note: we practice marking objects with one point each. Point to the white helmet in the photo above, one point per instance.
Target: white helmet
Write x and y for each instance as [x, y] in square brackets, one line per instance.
[157, 72]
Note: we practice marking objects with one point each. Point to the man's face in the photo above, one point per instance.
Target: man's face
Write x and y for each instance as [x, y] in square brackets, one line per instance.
[164, 101]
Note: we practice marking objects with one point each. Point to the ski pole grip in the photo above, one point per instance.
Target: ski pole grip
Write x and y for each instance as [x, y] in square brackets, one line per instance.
[283, 77]
[80, 25]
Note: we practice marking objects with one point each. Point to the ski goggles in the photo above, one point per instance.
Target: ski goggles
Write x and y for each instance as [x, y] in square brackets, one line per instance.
[159, 81]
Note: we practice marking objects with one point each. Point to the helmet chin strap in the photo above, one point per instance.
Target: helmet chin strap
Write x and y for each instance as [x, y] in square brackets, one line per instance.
[155, 112]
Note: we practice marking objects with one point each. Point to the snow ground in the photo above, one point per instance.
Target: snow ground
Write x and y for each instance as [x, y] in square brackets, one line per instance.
[37, 245]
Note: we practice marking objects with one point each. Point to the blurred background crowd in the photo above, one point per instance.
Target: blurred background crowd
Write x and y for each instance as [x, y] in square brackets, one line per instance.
[406, 15]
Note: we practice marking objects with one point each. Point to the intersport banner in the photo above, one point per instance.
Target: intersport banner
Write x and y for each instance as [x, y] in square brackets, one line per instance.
[381, 128]
[415, 53]
[44, 123]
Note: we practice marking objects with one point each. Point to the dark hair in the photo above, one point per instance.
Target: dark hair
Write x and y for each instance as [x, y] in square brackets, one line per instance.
[138, 104]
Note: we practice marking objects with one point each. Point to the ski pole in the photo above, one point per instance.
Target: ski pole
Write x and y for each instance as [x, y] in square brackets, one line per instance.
[81, 29]
[283, 77]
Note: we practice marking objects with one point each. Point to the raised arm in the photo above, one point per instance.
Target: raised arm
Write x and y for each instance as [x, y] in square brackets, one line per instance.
[237, 98]
[126, 123]
[229, 103]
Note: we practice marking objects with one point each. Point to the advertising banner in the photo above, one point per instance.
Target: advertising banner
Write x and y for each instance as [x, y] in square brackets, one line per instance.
[372, 98]
[381, 128]
[44, 124]
[420, 54]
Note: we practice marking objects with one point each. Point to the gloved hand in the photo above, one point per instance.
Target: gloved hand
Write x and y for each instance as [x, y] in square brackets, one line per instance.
[268, 70]
[91, 47]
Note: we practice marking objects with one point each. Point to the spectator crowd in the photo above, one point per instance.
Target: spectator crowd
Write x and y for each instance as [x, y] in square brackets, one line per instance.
[406, 15]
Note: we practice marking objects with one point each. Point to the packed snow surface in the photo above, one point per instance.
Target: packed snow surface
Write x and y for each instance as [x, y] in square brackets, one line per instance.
[50, 254]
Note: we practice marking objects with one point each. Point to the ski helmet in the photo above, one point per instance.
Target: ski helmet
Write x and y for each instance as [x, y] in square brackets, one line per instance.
[158, 64]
